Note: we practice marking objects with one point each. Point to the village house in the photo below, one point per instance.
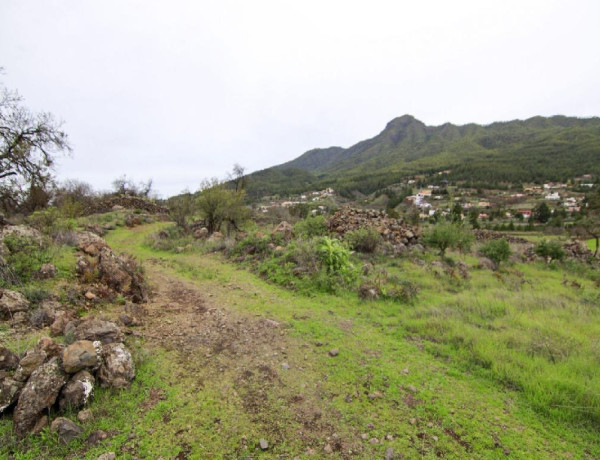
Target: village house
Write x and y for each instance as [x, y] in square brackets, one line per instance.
[554, 196]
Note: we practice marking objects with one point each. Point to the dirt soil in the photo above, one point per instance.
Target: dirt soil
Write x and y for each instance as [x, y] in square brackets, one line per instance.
[215, 343]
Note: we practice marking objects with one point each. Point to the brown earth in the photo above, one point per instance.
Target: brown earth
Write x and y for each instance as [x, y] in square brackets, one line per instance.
[218, 345]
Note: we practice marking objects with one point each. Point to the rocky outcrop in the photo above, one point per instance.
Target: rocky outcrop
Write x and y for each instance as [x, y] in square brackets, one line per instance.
[40, 393]
[117, 369]
[116, 203]
[12, 302]
[121, 274]
[285, 230]
[394, 231]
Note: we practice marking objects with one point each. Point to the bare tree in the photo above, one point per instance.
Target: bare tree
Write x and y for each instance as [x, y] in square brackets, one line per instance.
[237, 176]
[28, 145]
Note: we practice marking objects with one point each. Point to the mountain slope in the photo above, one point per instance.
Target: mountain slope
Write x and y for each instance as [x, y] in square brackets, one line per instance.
[536, 149]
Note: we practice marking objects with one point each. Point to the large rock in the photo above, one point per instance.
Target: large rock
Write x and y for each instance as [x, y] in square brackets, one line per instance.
[117, 369]
[9, 392]
[21, 231]
[39, 393]
[121, 274]
[98, 330]
[33, 359]
[77, 392]
[89, 242]
[8, 360]
[83, 354]
[284, 229]
[66, 430]
[12, 302]
[60, 322]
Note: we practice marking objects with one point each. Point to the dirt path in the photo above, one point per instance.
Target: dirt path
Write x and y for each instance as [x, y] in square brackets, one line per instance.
[250, 358]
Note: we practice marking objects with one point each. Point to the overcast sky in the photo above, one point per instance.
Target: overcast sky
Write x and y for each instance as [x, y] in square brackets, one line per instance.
[179, 91]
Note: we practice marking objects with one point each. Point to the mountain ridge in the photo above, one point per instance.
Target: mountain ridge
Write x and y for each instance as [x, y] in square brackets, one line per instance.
[512, 151]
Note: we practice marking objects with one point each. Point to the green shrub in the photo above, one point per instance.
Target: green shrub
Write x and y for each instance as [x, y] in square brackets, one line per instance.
[251, 245]
[333, 255]
[364, 239]
[497, 251]
[24, 259]
[311, 227]
[550, 250]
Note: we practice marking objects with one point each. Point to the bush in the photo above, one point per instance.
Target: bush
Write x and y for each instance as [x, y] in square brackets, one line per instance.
[550, 250]
[364, 239]
[333, 255]
[24, 259]
[497, 251]
[311, 227]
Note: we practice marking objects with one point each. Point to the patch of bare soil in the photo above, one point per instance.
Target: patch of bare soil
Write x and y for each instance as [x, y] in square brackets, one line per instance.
[248, 353]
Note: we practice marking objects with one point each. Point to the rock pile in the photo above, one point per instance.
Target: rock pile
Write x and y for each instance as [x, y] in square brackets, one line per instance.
[111, 203]
[487, 235]
[394, 231]
[52, 375]
[578, 250]
[99, 263]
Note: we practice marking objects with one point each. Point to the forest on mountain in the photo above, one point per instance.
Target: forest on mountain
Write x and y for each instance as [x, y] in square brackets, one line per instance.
[534, 150]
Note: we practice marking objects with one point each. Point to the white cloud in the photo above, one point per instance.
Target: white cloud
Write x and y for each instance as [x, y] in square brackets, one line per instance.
[181, 91]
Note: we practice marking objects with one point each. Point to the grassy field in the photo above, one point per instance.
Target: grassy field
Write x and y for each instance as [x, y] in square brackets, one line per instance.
[506, 362]
[499, 365]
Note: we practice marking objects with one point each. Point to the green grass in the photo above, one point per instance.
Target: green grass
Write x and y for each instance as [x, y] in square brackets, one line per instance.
[498, 363]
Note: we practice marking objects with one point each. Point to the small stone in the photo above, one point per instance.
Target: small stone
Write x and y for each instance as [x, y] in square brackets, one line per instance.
[389, 437]
[328, 449]
[334, 352]
[90, 295]
[374, 441]
[430, 425]
[348, 398]
[67, 430]
[285, 366]
[85, 416]
[370, 426]
[96, 437]
[435, 438]
[364, 436]
[413, 421]
[389, 454]
[107, 456]
[375, 395]
[405, 371]
[264, 445]
[412, 388]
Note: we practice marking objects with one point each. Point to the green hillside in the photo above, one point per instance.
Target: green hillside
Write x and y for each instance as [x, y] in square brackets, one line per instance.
[533, 150]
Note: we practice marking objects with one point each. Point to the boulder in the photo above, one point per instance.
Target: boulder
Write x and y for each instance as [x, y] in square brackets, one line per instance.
[12, 302]
[8, 360]
[83, 354]
[89, 242]
[9, 392]
[121, 274]
[132, 220]
[39, 393]
[39, 426]
[98, 330]
[60, 322]
[117, 369]
[22, 231]
[201, 233]
[77, 392]
[284, 229]
[85, 416]
[216, 237]
[66, 430]
[50, 347]
[30, 362]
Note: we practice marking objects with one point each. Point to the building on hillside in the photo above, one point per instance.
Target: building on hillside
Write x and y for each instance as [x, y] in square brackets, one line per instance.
[554, 196]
